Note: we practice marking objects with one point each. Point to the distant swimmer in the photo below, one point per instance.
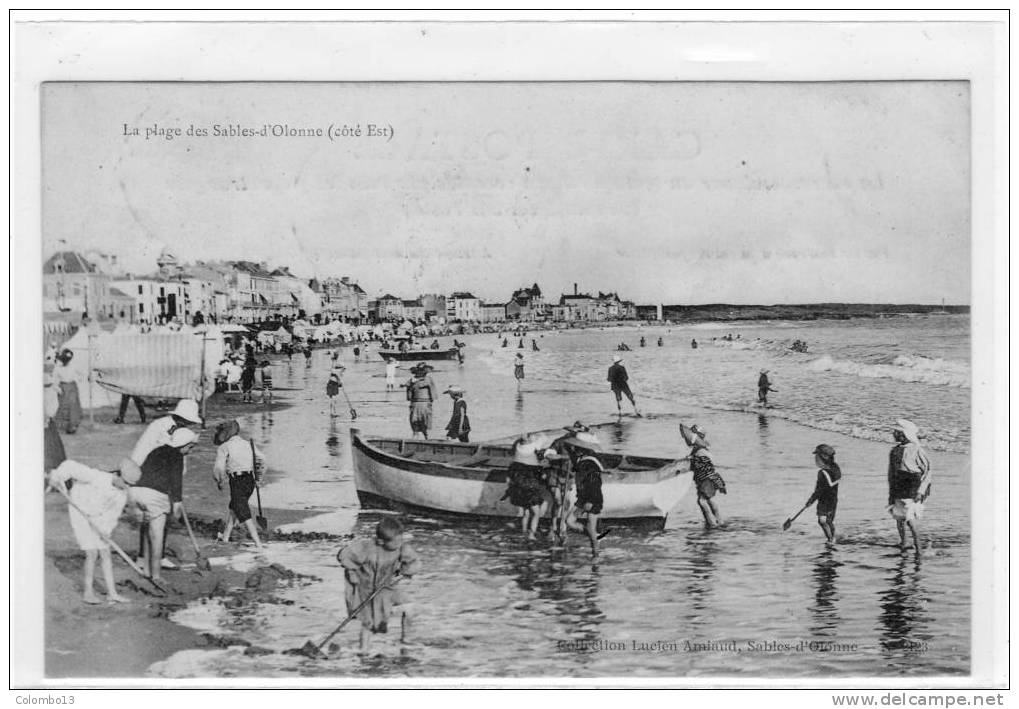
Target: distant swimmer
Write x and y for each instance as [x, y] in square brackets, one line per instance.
[643, 342]
[505, 342]
[534, 346]
[520, 346]
[763, 387]
[518, 370]
[693, 344]
[623, 347]
[619, 381]
[659, 342]
[909, 482]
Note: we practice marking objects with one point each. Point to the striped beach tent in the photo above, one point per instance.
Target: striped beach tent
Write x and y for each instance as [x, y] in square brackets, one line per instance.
[163, 365]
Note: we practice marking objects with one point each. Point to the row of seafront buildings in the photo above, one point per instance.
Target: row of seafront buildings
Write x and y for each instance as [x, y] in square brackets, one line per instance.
[92, 285]
[77, 285]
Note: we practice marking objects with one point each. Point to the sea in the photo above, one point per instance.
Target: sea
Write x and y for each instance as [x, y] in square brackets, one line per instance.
[680, 602]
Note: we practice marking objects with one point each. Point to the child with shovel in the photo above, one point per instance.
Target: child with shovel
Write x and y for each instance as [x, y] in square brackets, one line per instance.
[97, 499]
[373, 564]
[239, 460]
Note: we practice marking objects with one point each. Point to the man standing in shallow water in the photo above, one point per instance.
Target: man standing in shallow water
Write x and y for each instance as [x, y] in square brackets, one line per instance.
[619, 381]
[909, 482]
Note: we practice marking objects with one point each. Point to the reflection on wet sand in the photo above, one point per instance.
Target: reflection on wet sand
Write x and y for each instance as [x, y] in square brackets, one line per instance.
[620, 432]
[567, 593]
[333, 440]
[701, 579]
[824, 611]
[904, 618]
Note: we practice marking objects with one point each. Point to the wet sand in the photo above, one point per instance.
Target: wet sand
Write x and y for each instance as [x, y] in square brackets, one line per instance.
[123, 640]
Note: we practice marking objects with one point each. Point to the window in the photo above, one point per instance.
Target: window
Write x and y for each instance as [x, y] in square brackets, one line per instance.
[162, 293]
[141, 289]
[141, 308]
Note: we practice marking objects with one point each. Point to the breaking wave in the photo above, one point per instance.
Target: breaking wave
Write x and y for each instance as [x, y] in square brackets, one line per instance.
[905, 368]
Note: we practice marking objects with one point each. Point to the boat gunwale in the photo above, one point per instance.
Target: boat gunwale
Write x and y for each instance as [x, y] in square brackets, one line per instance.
[495, 474]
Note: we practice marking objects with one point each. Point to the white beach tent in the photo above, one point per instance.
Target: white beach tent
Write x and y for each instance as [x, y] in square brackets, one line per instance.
[83, 346]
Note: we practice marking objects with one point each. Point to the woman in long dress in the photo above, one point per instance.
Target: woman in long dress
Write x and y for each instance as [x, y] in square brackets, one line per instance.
[64, 378]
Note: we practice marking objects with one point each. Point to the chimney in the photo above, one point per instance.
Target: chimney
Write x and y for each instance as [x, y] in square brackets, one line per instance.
[574, 289]
[345, 280]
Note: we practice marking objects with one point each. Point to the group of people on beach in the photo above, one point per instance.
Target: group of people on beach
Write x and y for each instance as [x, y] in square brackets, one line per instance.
[421, 392]
[150, 481]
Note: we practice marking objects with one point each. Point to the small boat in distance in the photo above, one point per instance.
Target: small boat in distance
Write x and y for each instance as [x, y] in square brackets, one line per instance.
[453, 478]
[417, 354]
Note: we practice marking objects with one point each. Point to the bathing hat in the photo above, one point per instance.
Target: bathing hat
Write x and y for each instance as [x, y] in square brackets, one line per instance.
[909, 429]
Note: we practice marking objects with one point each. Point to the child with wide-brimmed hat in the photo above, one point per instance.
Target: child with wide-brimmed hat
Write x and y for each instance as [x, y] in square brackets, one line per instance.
[826, 490]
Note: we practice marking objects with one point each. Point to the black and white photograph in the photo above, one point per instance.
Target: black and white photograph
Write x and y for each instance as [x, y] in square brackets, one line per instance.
[389, 376]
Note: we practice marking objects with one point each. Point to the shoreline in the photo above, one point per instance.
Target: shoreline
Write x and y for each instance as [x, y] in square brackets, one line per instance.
[133, 636]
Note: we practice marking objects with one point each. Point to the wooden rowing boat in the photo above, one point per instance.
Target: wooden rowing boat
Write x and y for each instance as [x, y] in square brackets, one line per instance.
[418, 355]
[448, 477]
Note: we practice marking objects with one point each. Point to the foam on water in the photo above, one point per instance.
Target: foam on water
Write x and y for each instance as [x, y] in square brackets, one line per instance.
[489, 604]
[904, 368]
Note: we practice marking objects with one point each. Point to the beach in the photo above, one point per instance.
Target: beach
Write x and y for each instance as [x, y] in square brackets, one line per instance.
[746, 600]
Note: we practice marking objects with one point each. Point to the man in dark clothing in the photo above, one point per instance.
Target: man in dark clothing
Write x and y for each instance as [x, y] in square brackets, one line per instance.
[618, 380]
[158, 493]
[125, 399]
[763, 387]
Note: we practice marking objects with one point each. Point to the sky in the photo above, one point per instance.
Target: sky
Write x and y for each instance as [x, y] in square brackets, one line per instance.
[665, 192]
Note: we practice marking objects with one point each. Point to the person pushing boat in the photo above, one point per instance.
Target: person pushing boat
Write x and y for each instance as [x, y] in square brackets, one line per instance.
[706, 479]
[524, 487]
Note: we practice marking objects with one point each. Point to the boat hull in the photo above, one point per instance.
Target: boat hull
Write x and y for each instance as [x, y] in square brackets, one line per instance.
[393, 482]
[418, 355]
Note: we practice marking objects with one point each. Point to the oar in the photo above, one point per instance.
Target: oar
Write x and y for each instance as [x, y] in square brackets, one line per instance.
[200, 561]
[789, 522]
[310, 649]
[130, 562]
[353, 411]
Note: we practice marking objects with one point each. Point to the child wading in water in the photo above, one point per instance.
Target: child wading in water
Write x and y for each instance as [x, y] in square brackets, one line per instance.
[101, 496]
[826, 491]
[333, 387]
[707, 480]
[373, 564]
[266, 370]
